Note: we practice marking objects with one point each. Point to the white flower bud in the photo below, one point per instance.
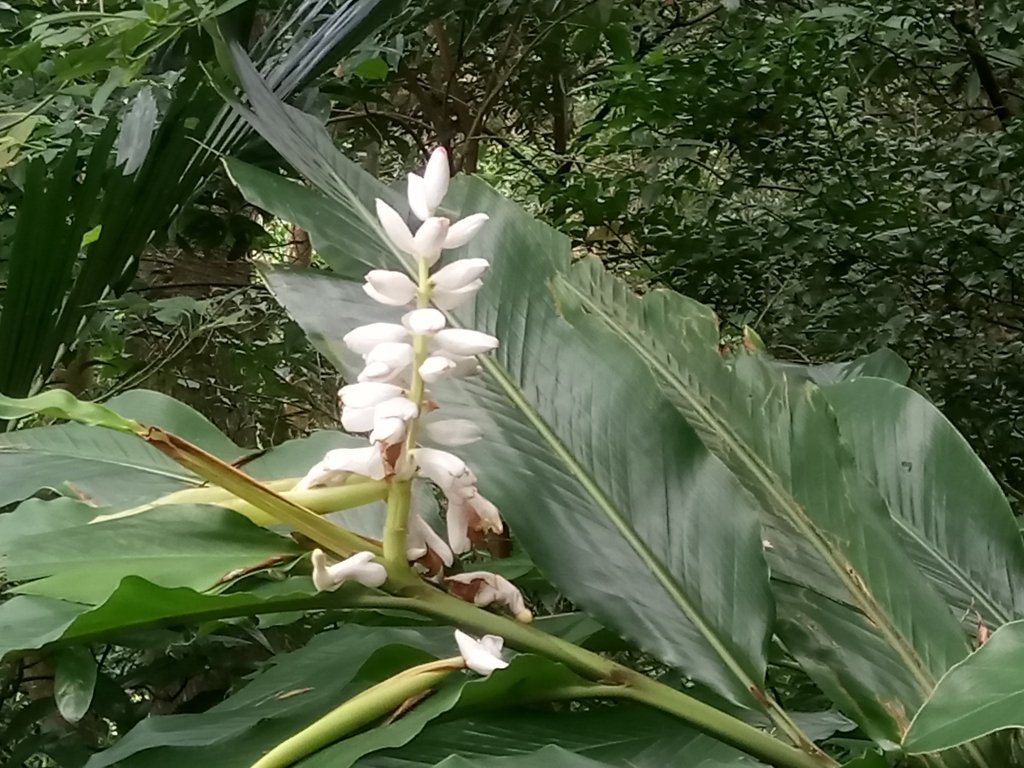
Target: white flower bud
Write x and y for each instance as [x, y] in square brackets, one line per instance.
[435, 178]
[395, 227]
[417, 198]
[337, 465]
[430, 238]
[391, 420]
[364, 338]
[446, 470]
[435, 368]
[424, 322]
[463, 342]
[367, 394]
[483, 656]
[387, 362]
[459, 274]
[360, 568]
[451, 299]
[391, 288]
[357, 419]
[464, 230]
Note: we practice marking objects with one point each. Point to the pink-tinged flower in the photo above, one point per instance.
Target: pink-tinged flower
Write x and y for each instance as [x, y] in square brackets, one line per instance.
[392, 288]
[395, 227]
[469, 519]
[464, 230]
[451, 431]
[364, 338]
[360, 568]
[424, 322]
[483, 588]
[429, 239]
[459, 274]
[387, 362]
[367, 394]
[463, 342]
[338, 465]
[391, 420]
[447, 471]
[422, 540]
[483, 656]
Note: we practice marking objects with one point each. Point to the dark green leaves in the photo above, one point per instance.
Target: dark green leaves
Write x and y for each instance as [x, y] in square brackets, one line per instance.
[74, 682]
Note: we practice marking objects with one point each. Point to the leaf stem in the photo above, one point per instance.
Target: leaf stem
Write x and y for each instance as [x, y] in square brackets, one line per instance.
[362, 709]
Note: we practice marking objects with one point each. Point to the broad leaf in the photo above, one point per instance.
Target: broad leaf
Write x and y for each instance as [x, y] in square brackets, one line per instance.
[576, 461]
[781, 440]
[951, 514]
[981, 695]
[74, 682]
[881, 364]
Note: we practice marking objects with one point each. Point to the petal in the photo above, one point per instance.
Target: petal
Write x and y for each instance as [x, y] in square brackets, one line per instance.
[368, 394]
[444, 299]
[360, 461]
[393, 288]
[393, 353]
[435, 368]
[446, 470]
[397, 408]
[464, 230]
[457, 520]
[435, 178]
[430, 238]
[493, 644]
[364, 338]
[464, 342]
[424, 322]
[459, 273]
[394, 227]
[422, 536]
[417, 197]
[357, 419]
[488, 517]
[389, 431]
[452, 431]
[478, 654]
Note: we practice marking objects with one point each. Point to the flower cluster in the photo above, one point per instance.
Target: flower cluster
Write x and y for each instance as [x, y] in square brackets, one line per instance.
[390, 400]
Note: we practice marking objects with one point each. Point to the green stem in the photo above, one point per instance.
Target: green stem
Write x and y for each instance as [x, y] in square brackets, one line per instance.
[360, 710]
[396, 527]
[620, 680]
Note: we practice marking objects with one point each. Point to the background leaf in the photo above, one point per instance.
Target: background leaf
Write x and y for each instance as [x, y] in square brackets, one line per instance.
[74, 682]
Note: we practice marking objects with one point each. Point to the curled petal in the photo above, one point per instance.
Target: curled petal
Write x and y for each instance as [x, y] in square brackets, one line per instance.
[357, 419]
[483, 588]
[483, 656]
[444, 299]
[364, 338]
[392, 288]
[463, 342]
[424, 322]
[435, 178]
[422, 538]
[452, 431]
[459, 274]
[367, 394]
[389, 431]
[446, 470]
[395, 227]
[359, 568]
[470, 518]
[337, 465]
[430, 238]
[464, 230]
[417, 198]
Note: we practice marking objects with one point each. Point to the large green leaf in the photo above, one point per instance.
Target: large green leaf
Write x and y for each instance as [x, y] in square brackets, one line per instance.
[611, 736]
[592, 511]
[981, 695]
[951, 514]
[781, 440]
[177, 546]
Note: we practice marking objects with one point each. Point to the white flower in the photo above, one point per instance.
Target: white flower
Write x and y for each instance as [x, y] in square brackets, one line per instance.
[459, 274]
[464, 230]
[337, 465]
[387, 362]
[367, 394]
[392, 288]
[463, 342]
[451, 299]
[483, 656]
[360, 568]
[391, 420]
[424, 322]
[435, 368]
[429, 239]
[483, 588]
[421, 538]
[364, 338]
[395, 227]
[447, 471]
[451, 431]
[357, 419]
[470, 518]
